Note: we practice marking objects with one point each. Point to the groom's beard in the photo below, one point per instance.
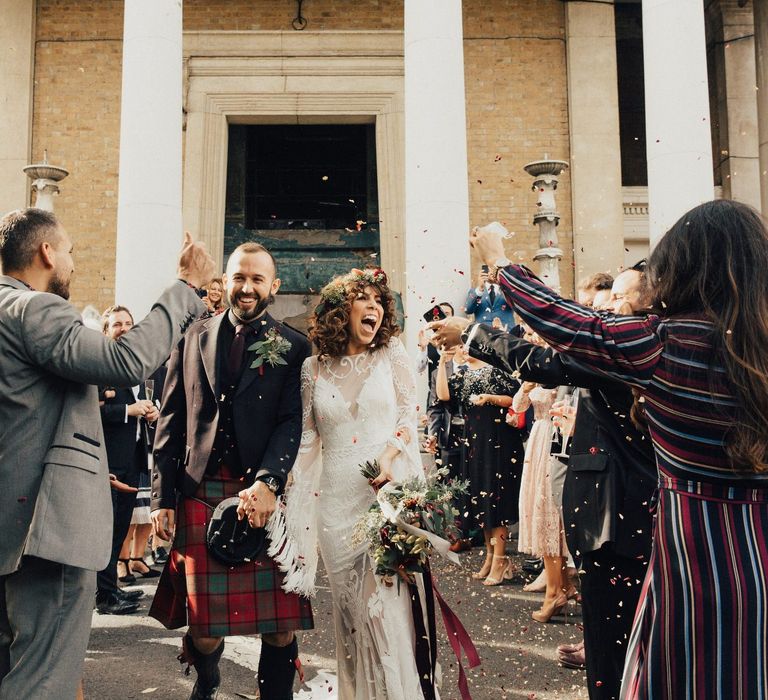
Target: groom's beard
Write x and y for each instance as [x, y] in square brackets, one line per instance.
[249, 314]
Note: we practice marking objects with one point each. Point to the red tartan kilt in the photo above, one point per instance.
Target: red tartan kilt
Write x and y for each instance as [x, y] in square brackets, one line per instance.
[218, 601]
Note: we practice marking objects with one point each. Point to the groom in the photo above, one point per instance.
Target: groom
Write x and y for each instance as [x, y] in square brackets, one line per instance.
[226, 426]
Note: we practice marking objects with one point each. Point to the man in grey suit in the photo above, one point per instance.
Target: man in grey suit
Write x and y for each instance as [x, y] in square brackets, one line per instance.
[56, 511]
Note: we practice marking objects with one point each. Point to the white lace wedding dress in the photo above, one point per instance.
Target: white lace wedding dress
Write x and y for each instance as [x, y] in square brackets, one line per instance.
[352, 408]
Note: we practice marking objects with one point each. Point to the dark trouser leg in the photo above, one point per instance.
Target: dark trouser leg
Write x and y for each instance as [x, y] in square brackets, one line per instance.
[277, 669]
[122, 510]
[610, 589]
[45, 621]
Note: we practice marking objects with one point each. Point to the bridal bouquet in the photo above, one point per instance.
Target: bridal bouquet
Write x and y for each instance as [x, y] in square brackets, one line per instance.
[409, 520]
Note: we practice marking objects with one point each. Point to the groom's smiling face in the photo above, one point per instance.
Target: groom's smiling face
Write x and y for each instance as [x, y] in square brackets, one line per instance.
[250, 283]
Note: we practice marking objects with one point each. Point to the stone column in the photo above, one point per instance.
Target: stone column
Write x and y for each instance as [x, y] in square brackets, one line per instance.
[149, 229]
[736, 104]
[17, 59]
[593, 113]
[436, 193]
[679, 142]
[761, 64]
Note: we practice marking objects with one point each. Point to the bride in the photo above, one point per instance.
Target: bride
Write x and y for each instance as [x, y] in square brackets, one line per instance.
[359, 404]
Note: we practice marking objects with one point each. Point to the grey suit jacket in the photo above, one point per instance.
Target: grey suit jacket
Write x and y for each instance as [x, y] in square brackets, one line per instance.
[54, 489]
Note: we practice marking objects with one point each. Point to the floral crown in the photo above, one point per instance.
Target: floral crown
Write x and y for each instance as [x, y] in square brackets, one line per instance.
[334, 293]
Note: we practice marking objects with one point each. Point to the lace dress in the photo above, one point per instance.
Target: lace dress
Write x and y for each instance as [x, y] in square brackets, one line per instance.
[352, 408]
[541, 530]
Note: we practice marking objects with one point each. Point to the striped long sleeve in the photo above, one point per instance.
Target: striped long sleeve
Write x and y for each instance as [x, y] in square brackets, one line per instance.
[627, 348]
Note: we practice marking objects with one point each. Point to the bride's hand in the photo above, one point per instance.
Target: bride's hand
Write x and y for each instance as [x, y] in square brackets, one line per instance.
[385, 464]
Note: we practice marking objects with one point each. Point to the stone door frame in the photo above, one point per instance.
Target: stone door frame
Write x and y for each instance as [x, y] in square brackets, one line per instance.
[258, 77]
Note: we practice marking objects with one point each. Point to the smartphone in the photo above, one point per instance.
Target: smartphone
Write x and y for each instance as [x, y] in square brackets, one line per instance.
[434, 314]
[484, 268]
[202, 293]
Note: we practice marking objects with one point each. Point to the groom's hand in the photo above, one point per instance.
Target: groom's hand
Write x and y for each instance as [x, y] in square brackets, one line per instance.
[257, 503]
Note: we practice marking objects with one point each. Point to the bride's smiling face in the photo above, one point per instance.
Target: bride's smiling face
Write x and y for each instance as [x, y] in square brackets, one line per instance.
[365, 319]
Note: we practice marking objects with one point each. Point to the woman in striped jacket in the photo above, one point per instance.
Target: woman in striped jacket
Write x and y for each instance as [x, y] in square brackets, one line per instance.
[701, 368]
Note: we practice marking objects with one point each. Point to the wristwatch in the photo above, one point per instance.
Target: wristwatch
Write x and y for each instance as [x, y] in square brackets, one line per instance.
[271, 483]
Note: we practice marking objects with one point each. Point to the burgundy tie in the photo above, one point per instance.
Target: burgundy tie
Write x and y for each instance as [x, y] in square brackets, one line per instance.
[238, 349]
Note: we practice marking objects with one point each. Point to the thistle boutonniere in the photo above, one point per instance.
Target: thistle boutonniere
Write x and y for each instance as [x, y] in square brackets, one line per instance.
[270, 350]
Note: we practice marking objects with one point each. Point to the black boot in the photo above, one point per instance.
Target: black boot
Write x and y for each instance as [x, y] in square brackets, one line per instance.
[277, 669]
[207, 667]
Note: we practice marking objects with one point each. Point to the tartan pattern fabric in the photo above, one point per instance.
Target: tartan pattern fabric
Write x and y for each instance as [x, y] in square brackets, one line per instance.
[215, 600]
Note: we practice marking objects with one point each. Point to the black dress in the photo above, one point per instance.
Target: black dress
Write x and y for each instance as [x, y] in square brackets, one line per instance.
[494, 454]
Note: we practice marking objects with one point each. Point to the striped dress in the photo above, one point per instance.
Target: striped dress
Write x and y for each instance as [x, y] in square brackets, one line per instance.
[701, 627]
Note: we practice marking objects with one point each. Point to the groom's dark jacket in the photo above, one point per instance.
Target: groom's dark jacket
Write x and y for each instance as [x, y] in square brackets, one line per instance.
[263, 411]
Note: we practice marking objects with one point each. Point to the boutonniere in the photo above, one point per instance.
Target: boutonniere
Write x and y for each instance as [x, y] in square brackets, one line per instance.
[270, 350]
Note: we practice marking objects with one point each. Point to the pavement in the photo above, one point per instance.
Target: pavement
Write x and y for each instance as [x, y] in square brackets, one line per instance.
[133, 656]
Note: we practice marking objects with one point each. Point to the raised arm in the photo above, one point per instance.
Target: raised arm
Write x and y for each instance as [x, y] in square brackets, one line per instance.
[627, 348]
[57, 340]
[521, 401]
[531, 362]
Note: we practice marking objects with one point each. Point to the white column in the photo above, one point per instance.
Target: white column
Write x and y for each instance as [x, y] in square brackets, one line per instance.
[149, 229]
[436, 193]
[17, 57]
[677, 120]
[593, 113]
[761, 63]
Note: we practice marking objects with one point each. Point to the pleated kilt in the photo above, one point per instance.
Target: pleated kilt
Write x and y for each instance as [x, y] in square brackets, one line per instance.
[197, 591]
[701, 628]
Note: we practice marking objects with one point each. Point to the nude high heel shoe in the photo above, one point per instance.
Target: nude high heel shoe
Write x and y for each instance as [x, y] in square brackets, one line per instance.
[548, 610]
[507, 572]
[485, 569]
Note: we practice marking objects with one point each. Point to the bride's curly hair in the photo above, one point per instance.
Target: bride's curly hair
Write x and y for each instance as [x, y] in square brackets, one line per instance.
[329, 324]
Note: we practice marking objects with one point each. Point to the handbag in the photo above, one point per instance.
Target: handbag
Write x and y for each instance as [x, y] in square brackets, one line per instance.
[230, 541]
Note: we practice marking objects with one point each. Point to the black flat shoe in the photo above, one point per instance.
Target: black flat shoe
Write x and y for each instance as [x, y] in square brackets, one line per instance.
[116, 606]
[149, 573]
[129, 577]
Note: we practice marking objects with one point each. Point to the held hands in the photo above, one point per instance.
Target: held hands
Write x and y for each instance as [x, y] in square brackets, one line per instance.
[430, 444]
[488, 244]
[257, 503]
[195, 265]
[164, 523]
[448, 332]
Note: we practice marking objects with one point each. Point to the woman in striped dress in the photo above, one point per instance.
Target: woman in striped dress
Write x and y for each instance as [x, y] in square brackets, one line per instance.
[701, 628]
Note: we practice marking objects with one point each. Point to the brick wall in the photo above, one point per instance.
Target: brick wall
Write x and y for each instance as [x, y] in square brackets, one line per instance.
[271, 15]
[517, 110]
[78, 54]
